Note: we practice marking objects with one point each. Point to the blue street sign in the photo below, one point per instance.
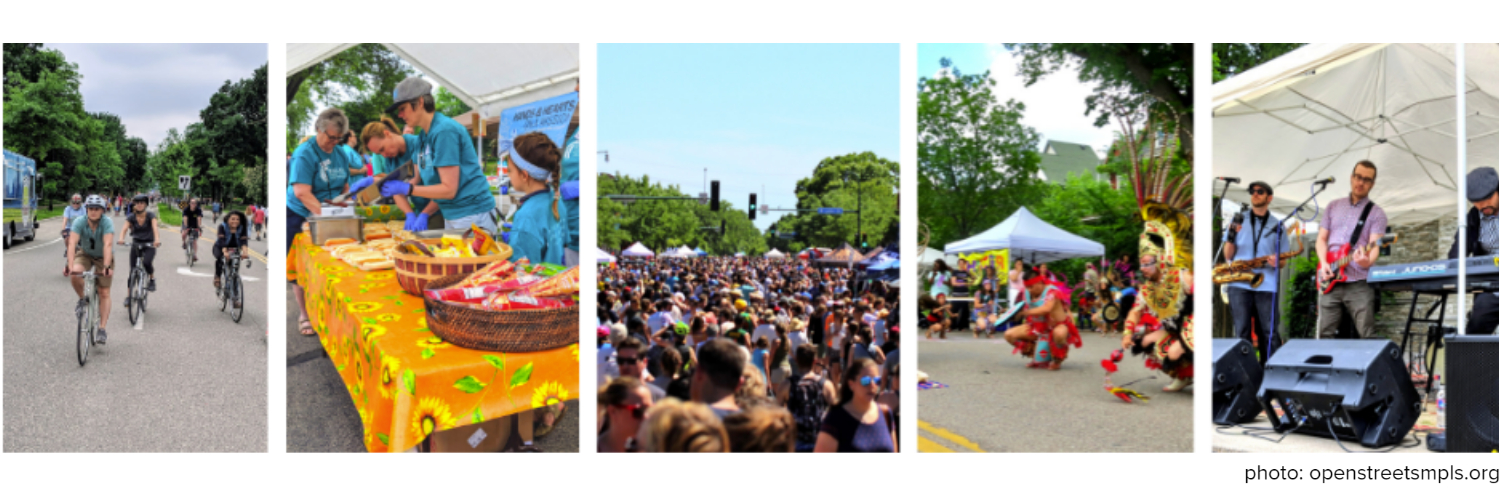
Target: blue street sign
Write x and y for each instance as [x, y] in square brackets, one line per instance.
[830, 211]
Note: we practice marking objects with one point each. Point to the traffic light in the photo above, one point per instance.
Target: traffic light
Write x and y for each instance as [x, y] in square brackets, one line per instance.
[753, 206]
[723, 228]
[713, 194]
[863, 243]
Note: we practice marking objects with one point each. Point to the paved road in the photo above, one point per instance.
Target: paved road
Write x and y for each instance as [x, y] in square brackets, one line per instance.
[995, 404]
[190, 380]
[320, 416]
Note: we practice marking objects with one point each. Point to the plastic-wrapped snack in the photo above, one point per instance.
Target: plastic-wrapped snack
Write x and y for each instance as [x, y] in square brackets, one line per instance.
[564, 283]
[490, 273]
[415, 247]
[520, 300]
[484, 244]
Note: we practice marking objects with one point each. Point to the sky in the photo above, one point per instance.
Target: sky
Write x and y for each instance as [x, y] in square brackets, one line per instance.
[1054, 105]
[156, 87]
[753, 115]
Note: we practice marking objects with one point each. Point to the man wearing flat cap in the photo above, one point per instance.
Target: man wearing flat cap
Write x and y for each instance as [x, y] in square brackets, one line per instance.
[1484, 240]
[1259, 236]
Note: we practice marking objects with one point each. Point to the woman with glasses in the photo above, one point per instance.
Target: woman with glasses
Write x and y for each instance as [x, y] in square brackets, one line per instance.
[319, 173]
[858, 423]
[625, 402]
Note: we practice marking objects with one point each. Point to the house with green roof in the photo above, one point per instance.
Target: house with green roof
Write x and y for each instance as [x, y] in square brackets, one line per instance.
[1062, 158]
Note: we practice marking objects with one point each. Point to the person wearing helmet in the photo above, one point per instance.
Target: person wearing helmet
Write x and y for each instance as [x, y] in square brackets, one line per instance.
[89, 249]
[141, 228]
[74, 210]
[192, 221]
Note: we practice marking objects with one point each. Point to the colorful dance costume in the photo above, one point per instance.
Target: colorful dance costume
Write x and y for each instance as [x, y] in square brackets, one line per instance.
[1166, 207]
[1038, 344]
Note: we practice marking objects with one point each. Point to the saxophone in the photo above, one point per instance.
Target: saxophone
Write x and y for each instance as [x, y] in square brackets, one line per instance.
[1243, 271]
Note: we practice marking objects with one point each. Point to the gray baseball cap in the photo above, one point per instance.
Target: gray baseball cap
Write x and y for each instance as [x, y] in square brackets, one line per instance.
[408, 89]
[1482, 184]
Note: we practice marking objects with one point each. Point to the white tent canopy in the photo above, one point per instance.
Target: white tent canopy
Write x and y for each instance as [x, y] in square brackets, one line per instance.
[638, 250]
[929, 256]
[604, 257]
[488, 77]
[1313, 113]
[775, 254]
[1029, 237]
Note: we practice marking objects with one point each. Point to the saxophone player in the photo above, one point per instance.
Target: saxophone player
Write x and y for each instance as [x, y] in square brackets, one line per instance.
[1258, 236]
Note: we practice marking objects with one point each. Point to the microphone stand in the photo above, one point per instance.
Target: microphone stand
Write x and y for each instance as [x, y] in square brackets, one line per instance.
[1219, 214]
[1277, 297]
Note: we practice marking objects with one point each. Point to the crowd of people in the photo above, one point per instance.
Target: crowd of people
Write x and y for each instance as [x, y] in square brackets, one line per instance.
[721, 354]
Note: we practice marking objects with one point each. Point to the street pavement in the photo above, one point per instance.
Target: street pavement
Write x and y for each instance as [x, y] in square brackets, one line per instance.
[189, 379]
[320, 416]
[995, 404]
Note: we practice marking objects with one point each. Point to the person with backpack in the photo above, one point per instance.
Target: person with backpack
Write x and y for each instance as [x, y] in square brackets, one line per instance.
[808, 396]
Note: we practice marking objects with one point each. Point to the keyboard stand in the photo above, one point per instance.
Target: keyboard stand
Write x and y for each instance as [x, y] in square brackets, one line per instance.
[1433, 330]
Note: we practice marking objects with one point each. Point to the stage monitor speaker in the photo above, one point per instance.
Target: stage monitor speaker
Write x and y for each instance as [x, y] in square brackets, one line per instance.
[1351, 390]
[1237, 377]
[1472, 386]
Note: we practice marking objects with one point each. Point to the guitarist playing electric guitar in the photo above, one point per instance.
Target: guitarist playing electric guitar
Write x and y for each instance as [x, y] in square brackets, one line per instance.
[1350, 223]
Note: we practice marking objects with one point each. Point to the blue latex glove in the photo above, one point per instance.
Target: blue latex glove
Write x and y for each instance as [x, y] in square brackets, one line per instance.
[394, 187]
[569, 190]
[361, 184]
[416, 221]
[505, 237]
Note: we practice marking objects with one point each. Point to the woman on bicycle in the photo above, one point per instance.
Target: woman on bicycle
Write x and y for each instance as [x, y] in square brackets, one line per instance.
[89, 249]
[140, 228]
[234, 234]
[192, 222]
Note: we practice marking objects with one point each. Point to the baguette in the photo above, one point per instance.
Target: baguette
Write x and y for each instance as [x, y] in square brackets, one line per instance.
[377, 265]
[336, 242]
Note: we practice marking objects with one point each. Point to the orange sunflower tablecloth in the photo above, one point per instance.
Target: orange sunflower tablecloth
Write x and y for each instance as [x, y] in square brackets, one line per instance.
[405, 381]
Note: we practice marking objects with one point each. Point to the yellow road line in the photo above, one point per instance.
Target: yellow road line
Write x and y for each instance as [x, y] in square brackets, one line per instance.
[945, 434]
[925, 445]
[256, 255]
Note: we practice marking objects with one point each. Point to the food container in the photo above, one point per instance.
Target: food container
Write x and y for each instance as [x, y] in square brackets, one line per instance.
[327, 227]
[524, 330]
[414, 272]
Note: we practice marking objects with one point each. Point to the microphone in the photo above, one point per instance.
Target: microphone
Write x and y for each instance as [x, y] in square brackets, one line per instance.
[1324, 182]
[1230, 180]
[1239, 218]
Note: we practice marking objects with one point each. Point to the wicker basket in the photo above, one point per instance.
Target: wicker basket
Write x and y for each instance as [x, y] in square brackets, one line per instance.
[526, 330]
[415, 271]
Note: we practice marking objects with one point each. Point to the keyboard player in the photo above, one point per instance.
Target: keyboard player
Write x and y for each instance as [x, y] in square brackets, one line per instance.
[1484, 240]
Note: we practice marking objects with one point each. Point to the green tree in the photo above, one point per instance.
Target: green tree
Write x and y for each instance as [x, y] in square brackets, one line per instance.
[1162, 71]
[449, 104]
[359, 81]
[1094, 210]
[860, 181]
[976, 162]
[663, 224]
[234, 122]
[44, 116]
[1234, 58]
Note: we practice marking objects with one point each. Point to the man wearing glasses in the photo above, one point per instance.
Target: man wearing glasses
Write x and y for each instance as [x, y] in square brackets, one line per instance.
[1356, 221]
[1484, 240]
[74, 210]
[1260, 235]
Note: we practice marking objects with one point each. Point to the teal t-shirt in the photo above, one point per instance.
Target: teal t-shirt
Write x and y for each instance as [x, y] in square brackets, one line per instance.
[413, 145]
[377, 164]
[570, 173]
[446, 144]
[327, 173]
[355, 161]
[91, 242]
[534, 233]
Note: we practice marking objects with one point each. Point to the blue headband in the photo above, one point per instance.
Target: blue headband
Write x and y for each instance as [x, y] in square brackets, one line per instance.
[532, 170]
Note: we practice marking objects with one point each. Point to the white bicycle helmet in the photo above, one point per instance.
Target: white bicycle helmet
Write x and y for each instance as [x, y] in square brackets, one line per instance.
[94, 200]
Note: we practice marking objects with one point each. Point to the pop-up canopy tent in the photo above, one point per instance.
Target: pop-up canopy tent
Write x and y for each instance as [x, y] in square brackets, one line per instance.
[1029, 237]
[1313, 113]
[845, 256]
[488, 77]
[638, 250]
[928, 257]
[775, 254]
[700, 251]
[604, 257]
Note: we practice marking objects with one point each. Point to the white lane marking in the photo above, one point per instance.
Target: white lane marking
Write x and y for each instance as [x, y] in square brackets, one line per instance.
[34, 247]
[140, 321]
[188, 272]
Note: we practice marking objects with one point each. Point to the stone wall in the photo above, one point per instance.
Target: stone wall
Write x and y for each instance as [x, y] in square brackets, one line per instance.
[1416, 243]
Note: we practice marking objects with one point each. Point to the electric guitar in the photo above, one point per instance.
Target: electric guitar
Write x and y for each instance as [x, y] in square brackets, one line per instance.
[1339, 259]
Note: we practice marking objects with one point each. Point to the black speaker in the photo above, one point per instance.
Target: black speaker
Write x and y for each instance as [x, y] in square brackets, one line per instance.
[1352, 390]
[1237, 377]
[1472, 385]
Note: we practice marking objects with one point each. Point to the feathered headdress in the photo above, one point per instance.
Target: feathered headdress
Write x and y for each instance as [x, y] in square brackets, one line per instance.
[1165, 199]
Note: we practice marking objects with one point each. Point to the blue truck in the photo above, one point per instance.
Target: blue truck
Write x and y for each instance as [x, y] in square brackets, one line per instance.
[20, 198]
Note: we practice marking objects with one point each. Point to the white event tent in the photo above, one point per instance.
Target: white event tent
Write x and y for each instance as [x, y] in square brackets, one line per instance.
[1030, 237]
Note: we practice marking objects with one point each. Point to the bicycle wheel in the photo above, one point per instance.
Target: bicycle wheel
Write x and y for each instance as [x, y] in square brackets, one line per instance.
[85, 339]
[223, 292]
[141, 293]
[134, 306]
[236, 294]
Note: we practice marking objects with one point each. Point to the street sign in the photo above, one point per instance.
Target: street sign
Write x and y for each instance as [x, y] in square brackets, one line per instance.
[184, 182]
[830, 211]
[787, 235]
[765, 210]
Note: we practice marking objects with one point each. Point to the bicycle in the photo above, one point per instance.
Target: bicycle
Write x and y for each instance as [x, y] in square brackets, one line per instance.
[135, 298]
[231, 289]
[192, 246]
[88, 320]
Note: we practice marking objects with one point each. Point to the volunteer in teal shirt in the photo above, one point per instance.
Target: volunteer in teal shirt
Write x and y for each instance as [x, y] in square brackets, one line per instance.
[447, 164]
[319, 173]
[570, 178]
[538, 228]
[380, 139]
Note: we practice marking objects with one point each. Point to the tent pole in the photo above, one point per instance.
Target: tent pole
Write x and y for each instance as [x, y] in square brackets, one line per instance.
[1461, 129]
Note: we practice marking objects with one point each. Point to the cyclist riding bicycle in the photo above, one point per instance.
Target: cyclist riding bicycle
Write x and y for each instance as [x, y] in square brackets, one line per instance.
[141, 228]
[234, 235]
[89, 249]
[74, 210]
[192, 220]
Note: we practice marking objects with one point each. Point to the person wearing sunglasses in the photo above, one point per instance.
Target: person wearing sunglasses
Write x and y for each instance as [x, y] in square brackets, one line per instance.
[74, 210]
[859, 423]
[1483, 240]
[1353, 221]
[1259, 235]
[625, 402]
[632, 362]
